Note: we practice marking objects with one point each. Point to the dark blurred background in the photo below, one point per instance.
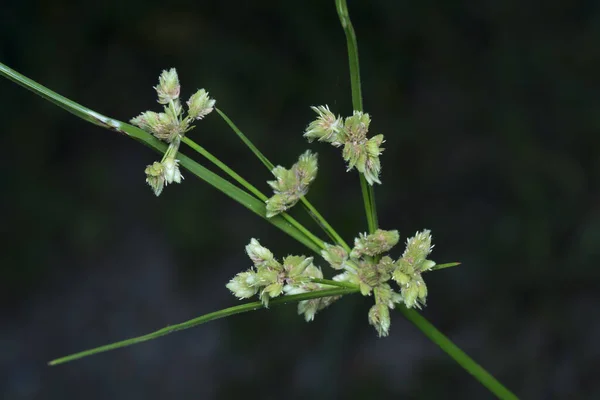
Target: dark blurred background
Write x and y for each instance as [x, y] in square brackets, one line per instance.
[491, 114]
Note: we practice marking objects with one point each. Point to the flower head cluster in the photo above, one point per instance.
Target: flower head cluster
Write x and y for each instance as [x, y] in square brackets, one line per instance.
[291, 184]
[270, 278]
[170, 126]
[367, 267]
[359, 151]
[410, 267]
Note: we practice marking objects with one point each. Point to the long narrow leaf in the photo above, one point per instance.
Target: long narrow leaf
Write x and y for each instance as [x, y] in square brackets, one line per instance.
[256, 305]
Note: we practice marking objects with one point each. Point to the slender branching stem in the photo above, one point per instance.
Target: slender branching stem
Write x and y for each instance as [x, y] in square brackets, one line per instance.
[357, 103]
[310, 209]
[369, 200]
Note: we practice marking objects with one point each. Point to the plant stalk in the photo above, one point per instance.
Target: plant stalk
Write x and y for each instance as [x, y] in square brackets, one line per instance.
[357, 103]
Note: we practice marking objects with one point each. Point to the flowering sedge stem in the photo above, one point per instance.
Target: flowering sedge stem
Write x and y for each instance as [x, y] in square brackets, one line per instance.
[354, 65]
[324, 224]
[256, 305]
[310, 209]
[369, 201]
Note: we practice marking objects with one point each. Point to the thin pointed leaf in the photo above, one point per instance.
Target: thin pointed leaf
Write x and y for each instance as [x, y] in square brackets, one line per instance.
[442, 266]
[256, 305]
[246, 141]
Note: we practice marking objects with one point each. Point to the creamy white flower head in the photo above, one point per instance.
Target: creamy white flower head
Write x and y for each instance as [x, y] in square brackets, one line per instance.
[200, 104]
[325, 128]
[171, 171]
[379, 317]
[168, 87]
[241, 287]
[257, 253]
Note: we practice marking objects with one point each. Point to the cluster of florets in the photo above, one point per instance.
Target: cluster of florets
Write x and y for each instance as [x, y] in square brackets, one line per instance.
[270, 278]
[171, 126]
[291, 184]
[351, 132]
[367, 267]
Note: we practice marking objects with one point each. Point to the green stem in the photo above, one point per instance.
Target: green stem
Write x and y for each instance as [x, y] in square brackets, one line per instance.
[324, 224]
[351, 43]
[310, 209]
[367, 190]
[204, 153]
[369, 200]
[305, 231]
[457, 354]
[256, 305]
[335, 283]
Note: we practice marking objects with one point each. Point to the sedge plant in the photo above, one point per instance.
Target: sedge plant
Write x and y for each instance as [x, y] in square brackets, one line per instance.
[371, 267]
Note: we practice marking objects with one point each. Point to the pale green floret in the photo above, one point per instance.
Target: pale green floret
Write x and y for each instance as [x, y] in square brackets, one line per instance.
[372, 165]
[257, 253]
[146, 120]
[155, 177]
[418, 248]
[161, 125]
[171, 171]
[325, 128]
[271, 291]
[305, 170]
[243, 285]
[200, 105]
[310, 307]
[277, 204]
[365, 157]
[349, 277]
[356, 127]
[379, 317]
[296, 266]
[410, 267]
[336, 256]
[291, 184]
[168, 87]
[427, 265]
[379, 242]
